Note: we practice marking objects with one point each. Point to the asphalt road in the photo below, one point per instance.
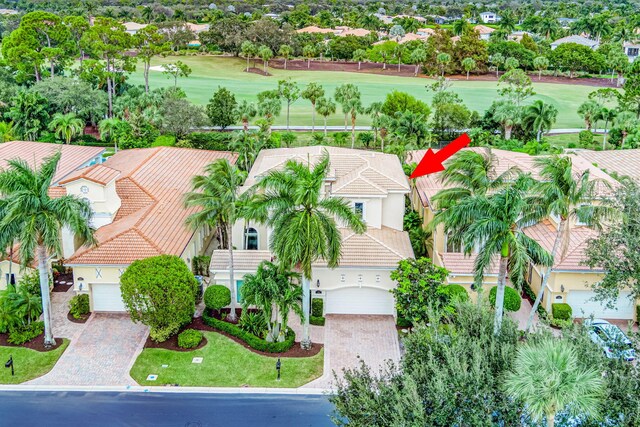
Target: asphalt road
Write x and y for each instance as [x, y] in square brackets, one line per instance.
[86, 409]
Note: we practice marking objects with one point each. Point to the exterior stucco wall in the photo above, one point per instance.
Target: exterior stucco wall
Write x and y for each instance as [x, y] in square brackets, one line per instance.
[393, 211]
[16, 270]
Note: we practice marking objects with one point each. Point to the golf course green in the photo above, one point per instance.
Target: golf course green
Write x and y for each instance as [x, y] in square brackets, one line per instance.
[209, 72]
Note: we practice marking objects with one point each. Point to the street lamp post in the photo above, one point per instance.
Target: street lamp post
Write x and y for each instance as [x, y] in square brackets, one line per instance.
[9, 364]
[278, 364]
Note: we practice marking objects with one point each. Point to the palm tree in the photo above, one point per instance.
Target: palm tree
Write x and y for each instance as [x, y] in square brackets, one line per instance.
[469, 64]
[304, 222]
[343, 94]
[397, 52]
[109, 129]
[285, 51]
[418, 56]
[507, 114]
[265, 53]
[7, 132]
[359, 55]
[495, 223]
[217, 196]
[570, 197]
[589, 110]
[460, 27]
[246, 111]
[508, 21]
[375, 111]
[66, 126]
[325, 107]
[548, 377]
[497, 59]
[35, 221]
[540, 116]
[410, 124]
[625, 121]
[607, 114]
[248, 50]
[353, 106]
[443, 60]
[313, 92]
[309, 51]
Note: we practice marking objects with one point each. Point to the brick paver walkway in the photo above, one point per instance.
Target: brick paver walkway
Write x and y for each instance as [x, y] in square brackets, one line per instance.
[101, 354]
[351, 338]
[63, 327]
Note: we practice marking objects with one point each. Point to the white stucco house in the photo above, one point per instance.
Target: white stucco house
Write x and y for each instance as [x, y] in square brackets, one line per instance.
[489, 17]
[632, 50]
[137, 200]
[375, 186]
[72, 158]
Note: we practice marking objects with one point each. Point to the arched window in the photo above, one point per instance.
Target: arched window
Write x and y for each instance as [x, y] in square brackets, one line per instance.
[250, 238]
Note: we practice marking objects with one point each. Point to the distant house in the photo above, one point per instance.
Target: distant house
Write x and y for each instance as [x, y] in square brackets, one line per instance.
[133, 27]
[272, 15]
[489, 17]
[8, 12]
[358, 32]
[566, 22]
[425, 32]
[197, 28]
[516, 36]
[484, 31]
[632, 50]
[592, 44]
[312, 29]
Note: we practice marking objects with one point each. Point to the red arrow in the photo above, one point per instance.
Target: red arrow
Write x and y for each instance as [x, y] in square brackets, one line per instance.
[432, 162]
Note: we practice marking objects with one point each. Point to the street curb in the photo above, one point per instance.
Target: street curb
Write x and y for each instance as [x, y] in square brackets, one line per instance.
[142, 389]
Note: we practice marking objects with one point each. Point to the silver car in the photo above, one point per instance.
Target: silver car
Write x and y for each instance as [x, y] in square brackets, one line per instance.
[610, 339]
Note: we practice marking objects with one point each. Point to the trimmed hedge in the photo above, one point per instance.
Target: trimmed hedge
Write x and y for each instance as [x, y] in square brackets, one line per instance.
[456, 292]
[250, 339]
[512, 300]
[216, 297]
[317, 320]
[317, 307]
[561, 311]
[189, 338]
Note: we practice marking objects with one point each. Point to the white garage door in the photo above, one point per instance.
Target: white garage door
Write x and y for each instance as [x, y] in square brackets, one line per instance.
[107, 297]
[359, 301]
[583, 301]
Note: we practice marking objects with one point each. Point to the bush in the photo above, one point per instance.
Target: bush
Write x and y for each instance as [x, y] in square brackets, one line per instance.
[189, 338]
[403, 323]
[79, 306]
[456, 293]
[317, 320]
[318, 139]
[253, 323]
[216, 297]
[561, 311]
[340, 138]
[250, 339]
[218, 141]
[32, 282]
[160, 292]
[512, 299]
[365, 138]
[585, 138]
[288, 138]
[559, 323]
[317, 305]
[26, 333]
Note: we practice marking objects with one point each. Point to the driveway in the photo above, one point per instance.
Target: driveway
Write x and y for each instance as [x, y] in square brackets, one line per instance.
[102, 353]
[348, 339]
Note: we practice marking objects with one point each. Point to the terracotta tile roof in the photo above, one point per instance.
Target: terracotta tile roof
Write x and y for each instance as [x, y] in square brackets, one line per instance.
[313, 29]
[545, 234]
[621, 162]
[483, 29]
[243, 260]
[352, 170]
[56, 191]
[73, 156]
[150, 221]
[377, 247]
[459, 263]
[99, 174]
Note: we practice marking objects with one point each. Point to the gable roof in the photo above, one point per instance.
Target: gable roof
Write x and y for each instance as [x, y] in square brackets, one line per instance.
[621, 162]
[73, 157]
[151, 183]
[376, 247]
[576, 39]
[483, 29]
[352, 172]
[97, 173]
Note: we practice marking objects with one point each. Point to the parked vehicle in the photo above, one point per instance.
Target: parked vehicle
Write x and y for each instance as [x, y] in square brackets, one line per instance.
[610, 339]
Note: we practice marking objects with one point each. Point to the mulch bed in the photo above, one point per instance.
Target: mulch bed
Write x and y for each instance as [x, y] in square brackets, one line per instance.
[295, 351]
[172, 344]
[258, 71]
[35, 344]
[407, 70]
[82, 319]
[67, 278]
[61, 288]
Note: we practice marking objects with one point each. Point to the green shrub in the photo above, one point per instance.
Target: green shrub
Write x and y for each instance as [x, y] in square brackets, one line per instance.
[560, 323]
[19, 336]
[216, 297]
[561, 311]
[512, 300]
[365, 138]
[403, 323]
[318, 139]
[585, 138]
[189, 338]
[208, 140]
[339, 138]
[200, 265]
[32, 282]
[456, 293]
[250, 339]
[253, 323]
[288, 138]
[317, 320]
[317, 305]
[79, 306]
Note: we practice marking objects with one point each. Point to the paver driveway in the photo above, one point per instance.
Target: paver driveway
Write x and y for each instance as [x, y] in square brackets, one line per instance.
[102, 354]
[351, 338]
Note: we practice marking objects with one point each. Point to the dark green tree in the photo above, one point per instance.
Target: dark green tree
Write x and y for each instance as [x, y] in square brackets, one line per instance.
[222, 108]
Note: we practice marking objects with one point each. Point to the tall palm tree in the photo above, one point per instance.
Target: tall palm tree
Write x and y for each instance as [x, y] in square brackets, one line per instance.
[374, 110]
[66, 126]
[304, 222]
[548, 378]
[285, 51]
[540, 116]
[570, 197]
[216, 196]
[608, 115]
[495, 224]
[35, 221]
[353, 106]
[359, 55]
[589, 110]
[313, 92]
[460, 27]
[625, 121]
[507, 113]
[325, 107]
[344, 94]
[246, 111]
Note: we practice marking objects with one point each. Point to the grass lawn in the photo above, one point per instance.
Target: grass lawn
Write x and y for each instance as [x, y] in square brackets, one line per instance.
[28, 364]
[563, 140]
[210, 72]
[225, 364]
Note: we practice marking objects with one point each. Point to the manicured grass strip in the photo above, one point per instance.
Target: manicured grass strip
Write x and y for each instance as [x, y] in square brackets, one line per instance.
[225, 364]
[28, 364]
[210, 72]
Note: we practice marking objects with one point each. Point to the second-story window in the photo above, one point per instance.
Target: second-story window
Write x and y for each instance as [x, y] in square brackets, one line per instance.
[251, 239]
[358, 208]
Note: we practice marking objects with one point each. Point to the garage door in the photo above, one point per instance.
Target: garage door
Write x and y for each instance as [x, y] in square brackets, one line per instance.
[359, 301]
[583, 301]
[107, 297]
